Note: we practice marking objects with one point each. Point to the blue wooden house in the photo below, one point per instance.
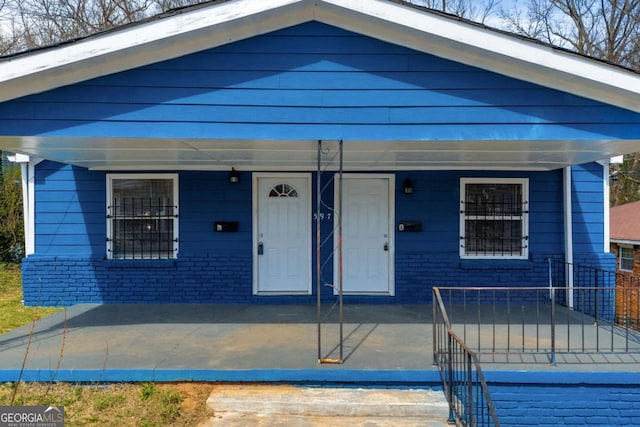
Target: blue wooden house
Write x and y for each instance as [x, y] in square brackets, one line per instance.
[247, 151]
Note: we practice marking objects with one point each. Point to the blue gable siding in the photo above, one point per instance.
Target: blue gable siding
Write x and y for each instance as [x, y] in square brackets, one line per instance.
[313, 81]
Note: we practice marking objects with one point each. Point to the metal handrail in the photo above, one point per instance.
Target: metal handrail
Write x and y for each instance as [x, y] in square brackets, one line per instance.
[464, 384]
[591, 318]
[627, 298]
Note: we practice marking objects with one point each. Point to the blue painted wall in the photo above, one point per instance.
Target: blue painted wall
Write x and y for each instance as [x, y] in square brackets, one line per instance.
[70, 266]
[313, 82]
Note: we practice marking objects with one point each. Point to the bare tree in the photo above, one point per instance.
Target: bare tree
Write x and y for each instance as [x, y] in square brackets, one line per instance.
[34, 23]
[47, 22]
[475, 10]
[625, 181]
[603, 29]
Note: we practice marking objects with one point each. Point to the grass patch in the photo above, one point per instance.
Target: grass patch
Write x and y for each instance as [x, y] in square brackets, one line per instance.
[13, 313]
[115, 404]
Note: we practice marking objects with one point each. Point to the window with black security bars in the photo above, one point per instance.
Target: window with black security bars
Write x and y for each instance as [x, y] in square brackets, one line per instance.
[142, 217]
[494, 219]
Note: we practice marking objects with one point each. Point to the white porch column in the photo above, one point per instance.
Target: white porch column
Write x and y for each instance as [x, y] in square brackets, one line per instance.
[27, 169]
[568, 233]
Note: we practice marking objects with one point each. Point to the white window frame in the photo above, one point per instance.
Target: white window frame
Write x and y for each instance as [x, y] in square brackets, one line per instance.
[621, 258]
[524, 182]
[113, 176]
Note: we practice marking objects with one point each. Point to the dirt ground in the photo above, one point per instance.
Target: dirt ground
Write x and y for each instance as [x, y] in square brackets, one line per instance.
[193, 409]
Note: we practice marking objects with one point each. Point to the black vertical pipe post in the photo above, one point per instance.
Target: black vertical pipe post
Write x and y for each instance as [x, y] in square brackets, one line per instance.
[553, 327]
[318, 260]
[340, 252]
[470, 402]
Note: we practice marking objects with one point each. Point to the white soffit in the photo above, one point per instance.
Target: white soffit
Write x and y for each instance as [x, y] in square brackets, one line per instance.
[221, 23]
[218, 154]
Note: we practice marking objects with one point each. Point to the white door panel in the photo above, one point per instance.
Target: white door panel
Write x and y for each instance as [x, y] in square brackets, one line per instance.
[283, 235]
[366, 235]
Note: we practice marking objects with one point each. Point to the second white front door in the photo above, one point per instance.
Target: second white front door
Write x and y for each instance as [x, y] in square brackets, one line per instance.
[367, 240]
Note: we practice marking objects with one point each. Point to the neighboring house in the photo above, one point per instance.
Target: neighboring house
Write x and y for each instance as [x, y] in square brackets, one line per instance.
[194, 157]
[625, 237]
[625, 245]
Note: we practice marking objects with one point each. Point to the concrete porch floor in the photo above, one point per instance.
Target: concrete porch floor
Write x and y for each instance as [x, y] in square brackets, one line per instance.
[221, 342]
[267, 343]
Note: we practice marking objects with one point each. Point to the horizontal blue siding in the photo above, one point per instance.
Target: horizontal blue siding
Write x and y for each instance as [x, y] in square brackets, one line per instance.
[588, 208]
[70, 210]
[302, 114]
[69, 265]
[310, 98]
[313, 81]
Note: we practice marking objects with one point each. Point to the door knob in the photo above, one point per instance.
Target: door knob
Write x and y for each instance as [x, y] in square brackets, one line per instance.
[386, 246]
[260, 248]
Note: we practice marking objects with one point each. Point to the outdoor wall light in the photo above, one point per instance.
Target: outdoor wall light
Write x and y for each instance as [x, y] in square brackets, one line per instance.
[234, 178]
[407, 186]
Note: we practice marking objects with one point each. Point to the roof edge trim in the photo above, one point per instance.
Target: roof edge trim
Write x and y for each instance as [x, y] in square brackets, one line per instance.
[198, 29]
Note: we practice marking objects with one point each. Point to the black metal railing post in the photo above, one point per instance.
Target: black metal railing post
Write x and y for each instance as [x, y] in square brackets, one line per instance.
[434, 330]
[470, 382]
[596, 295]
[553, 326]
[450, 378]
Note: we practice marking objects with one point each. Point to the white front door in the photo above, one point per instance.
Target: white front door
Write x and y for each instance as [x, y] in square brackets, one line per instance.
[367, 235]
[282, 234]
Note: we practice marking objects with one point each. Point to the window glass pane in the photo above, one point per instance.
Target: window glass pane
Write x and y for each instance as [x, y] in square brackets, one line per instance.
[494, 215]
[485, 237]
[626, 259]
[283, 190]
[143, 197]
[142, 214]
[142, 238]
[493, 199]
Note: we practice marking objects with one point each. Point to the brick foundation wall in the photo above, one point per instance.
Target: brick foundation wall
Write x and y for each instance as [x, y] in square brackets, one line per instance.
[571, 399]
[63, 281]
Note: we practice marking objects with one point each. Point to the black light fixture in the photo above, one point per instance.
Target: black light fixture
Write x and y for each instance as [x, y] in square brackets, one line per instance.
[234, 178]
[407, 186]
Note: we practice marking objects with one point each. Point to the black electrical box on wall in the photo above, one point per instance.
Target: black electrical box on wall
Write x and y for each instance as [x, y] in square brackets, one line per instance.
[226, 226]
[410, 226]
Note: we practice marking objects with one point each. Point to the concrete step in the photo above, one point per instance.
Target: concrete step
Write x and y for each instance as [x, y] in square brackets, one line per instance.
[279, 420]
[286, 405]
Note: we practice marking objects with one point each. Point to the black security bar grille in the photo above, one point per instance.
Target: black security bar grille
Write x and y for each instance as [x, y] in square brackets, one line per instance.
[494, 220]
[142, 228]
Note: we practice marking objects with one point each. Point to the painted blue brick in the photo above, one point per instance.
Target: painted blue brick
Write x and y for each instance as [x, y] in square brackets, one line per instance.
[573, 404]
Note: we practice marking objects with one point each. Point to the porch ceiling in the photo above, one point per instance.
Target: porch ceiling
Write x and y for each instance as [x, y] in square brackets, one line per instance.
[245, 154]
